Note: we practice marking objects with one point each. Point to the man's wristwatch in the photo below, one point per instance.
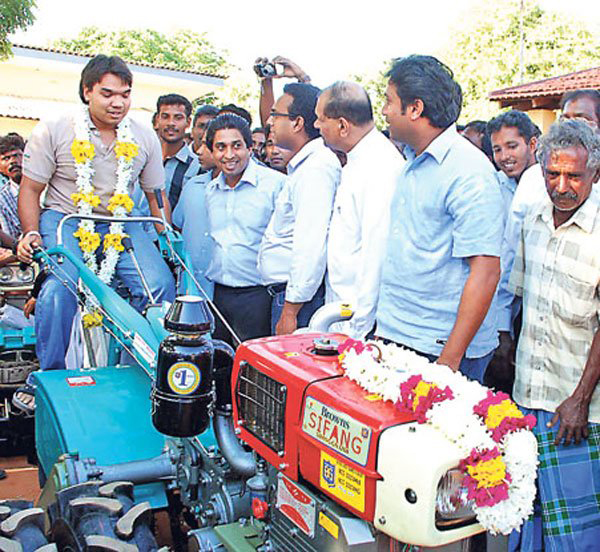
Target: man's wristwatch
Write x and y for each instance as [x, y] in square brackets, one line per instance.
[30, 233]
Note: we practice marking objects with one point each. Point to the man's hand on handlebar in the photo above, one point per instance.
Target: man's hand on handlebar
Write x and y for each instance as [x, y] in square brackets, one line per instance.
[26, 247]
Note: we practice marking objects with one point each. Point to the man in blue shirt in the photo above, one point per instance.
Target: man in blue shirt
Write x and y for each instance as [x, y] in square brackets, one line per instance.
[173, 116]
[239, 202]
[191, 217]
[442, 263]
[513, 136]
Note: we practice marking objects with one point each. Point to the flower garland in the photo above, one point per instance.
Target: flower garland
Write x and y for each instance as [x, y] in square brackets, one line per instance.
[498, 449]
[85, 199]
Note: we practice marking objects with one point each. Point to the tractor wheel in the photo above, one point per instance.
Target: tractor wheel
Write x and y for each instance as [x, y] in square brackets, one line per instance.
[97, 517]
[22, 527]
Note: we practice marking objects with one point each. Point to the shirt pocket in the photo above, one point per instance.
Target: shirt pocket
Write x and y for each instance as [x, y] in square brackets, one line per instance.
[574, 300]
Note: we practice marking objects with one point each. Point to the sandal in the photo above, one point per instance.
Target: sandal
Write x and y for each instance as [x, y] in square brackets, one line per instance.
[26, 390]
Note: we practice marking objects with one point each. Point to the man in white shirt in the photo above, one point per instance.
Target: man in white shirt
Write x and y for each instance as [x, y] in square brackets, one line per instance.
[292, 257]
[359, 224]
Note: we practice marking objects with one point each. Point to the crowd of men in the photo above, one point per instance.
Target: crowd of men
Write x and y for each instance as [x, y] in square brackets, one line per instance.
[456, 243]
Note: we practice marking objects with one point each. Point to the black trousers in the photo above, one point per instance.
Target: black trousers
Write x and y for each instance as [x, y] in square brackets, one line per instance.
[246, 309]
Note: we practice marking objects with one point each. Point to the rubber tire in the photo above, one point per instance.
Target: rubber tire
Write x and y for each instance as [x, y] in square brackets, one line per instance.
[71, 526]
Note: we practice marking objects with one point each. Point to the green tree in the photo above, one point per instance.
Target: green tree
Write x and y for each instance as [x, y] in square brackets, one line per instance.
[484, 52]
[14, 15]
[184, 50]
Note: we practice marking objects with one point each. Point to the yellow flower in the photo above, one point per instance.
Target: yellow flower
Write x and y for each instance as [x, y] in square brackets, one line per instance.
[82, 150]
[90, 198]
[128, 150]
[88, 241]
[488, 473]
[421, 390]
[120, 200]
[497, 412]
[114, 241]
[92, 319]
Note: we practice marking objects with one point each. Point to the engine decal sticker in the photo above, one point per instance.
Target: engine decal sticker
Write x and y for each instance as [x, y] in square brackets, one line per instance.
[329, 525]
[183, 377]
[337, 430]
[291, 354]
[296, 505]
[81, 381]
[342, 481]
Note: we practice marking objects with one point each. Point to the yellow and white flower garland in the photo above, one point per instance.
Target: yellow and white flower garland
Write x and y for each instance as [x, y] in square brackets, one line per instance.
[120, 204]
[499, 451]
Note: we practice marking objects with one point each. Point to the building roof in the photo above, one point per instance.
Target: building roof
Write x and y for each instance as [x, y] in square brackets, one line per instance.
[546, 93]
[65, 52]
[32, 109]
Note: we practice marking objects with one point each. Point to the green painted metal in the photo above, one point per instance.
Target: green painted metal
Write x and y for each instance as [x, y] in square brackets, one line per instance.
[107, 418]
[241, 537]
[17, 339]
[121, 317]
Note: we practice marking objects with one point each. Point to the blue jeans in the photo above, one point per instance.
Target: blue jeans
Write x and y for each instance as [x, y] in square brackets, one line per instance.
[277, 291]
[56, 305]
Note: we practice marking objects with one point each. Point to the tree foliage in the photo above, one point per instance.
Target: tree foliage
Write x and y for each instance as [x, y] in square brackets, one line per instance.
[184, 50]
[14, 15]
[483, 52]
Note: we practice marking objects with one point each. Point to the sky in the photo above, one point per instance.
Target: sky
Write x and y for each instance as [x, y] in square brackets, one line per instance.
[329, 39]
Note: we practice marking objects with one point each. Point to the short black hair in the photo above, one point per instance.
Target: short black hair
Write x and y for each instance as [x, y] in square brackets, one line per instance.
[225, 121]
[429, 80]
[237, 110]
[477, 125]
[174, 99]
[304, 100]
[99, 66]
[259, 129]
[590, 93]
[209, 110]
[517, 119]
[10, 142]
[343, 101]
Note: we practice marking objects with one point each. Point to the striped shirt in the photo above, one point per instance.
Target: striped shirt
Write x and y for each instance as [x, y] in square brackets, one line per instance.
[9, 217]
[557, 272]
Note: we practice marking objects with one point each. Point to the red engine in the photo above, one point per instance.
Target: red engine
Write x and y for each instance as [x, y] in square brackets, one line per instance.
[294, 408]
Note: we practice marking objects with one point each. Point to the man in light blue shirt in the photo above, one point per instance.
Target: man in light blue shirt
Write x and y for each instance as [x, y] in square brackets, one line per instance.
[513, 136]
[442, 263]
[293, 253]
[239, 202]
[191, 217]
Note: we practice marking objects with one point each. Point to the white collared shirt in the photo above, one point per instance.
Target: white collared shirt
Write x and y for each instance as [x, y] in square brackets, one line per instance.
[293, 249]
[359, 227]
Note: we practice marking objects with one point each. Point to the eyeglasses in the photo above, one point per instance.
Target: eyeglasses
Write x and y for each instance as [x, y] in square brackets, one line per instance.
[276, 114]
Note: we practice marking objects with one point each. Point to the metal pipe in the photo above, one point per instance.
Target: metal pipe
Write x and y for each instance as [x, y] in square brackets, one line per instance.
[240, 460]
[128, 245]
[138, 471]
[102, 218]
[327, 315]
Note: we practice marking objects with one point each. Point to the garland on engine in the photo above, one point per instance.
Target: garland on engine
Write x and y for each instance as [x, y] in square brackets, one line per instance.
[498, 448]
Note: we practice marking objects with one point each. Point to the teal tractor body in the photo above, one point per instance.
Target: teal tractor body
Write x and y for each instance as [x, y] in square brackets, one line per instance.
[104, 413]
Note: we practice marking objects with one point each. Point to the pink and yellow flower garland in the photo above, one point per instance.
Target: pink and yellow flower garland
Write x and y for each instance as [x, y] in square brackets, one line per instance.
[500, 451]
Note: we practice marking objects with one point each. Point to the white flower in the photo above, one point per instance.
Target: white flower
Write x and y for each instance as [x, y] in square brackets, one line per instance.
[456, 420]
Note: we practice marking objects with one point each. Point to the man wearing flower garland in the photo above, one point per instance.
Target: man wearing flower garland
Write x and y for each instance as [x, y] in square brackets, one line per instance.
[88, 162]
[557, 272]
[442, 263]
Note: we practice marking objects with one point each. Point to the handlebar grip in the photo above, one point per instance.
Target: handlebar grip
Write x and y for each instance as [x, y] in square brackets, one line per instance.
[159, 199]
[127, 244]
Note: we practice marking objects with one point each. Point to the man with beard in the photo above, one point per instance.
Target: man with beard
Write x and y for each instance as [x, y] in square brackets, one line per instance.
[11, 166]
